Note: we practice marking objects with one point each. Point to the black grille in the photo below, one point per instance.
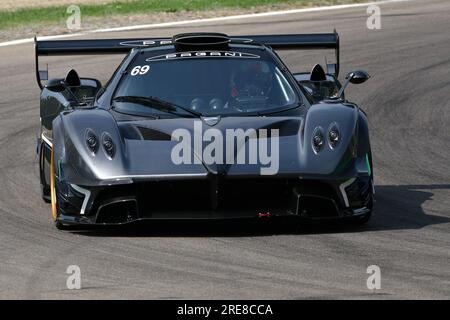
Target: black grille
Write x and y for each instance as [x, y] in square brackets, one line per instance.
[316, 207]
[218, 196]
[118, 211]
[258, 194]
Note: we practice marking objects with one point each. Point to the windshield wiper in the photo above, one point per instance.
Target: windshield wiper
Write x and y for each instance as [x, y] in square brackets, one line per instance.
[270, 112]
[156, 103]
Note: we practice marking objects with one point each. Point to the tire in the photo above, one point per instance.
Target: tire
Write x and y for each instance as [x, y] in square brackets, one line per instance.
[53, 195]
[364, 219]
[45, 188]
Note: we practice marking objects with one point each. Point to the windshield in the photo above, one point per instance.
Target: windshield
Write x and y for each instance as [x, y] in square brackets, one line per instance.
[205, 82]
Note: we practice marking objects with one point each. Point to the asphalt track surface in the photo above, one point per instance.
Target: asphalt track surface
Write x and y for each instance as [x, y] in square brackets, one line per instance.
[407, 101]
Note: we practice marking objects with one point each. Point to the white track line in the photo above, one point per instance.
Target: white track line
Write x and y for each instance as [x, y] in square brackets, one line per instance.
[185, 22]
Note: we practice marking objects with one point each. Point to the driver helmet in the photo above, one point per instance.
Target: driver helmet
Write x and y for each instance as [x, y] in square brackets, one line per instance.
[253, 78]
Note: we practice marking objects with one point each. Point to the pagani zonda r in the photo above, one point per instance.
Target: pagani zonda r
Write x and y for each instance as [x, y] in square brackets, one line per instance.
[131, 149]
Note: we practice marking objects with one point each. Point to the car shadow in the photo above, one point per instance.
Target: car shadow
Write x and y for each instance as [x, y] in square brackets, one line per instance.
[398, 207]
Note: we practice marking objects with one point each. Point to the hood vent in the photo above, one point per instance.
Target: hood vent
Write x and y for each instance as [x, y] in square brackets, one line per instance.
[132, 132]
[152, 134]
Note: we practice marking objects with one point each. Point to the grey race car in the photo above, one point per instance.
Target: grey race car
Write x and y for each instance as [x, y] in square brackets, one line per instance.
[130, 150]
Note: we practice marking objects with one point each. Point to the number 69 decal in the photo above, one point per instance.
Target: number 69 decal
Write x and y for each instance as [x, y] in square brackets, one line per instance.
[140, 70]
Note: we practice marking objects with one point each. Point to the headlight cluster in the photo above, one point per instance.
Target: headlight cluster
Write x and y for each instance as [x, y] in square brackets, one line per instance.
[92, 143]
[334, 136]
[108, 145]
[318, 137]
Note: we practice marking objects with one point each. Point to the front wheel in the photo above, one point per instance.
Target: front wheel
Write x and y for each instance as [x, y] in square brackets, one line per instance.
[53, 194]
[43, 170]
[361, 220]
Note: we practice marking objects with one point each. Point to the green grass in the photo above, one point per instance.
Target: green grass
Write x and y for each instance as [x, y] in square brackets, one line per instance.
[57, 14]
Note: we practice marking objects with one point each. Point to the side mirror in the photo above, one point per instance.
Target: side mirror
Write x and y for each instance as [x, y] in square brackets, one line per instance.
[72, 80]
[83, 90]
[355, 77]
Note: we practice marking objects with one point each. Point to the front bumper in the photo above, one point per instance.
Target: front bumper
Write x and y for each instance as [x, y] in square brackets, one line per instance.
[215, 197]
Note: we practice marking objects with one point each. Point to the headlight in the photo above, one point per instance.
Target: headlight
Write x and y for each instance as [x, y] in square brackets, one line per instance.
[317, 139]
[91, 141]
[334, 135]
[108, 145]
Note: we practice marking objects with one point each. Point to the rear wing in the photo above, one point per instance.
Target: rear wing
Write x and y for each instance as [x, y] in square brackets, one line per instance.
[123, 46]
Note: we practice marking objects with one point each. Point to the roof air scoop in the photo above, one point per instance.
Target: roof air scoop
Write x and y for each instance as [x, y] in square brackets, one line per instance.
[200, 40]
